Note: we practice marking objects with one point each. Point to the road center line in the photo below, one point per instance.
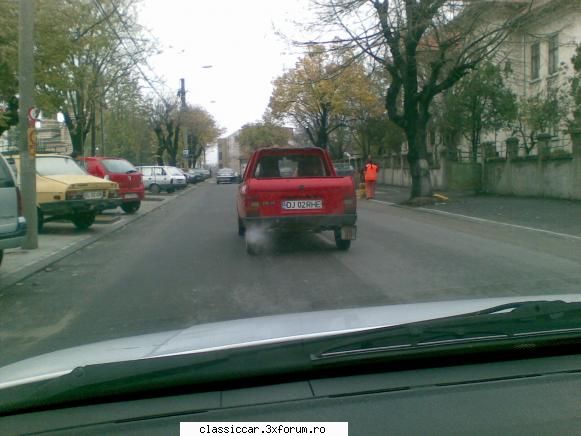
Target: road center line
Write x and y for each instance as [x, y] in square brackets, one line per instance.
[482, 220]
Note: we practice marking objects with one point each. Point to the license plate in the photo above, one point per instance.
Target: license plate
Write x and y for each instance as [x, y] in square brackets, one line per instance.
[93, 195]
[131, 196]
[302, 204]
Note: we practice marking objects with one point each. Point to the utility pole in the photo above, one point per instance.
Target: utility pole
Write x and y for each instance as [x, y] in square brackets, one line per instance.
[182, 95]
[27, 118]
[101, 118]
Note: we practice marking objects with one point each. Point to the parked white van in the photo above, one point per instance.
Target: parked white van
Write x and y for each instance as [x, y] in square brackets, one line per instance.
[157, 178]
[12, 222]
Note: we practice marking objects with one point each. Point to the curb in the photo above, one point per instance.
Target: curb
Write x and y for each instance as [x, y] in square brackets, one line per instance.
[27, 271]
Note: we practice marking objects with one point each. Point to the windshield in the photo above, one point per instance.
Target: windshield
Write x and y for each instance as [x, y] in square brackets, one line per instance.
[118, 166]
[346, 165]
[58, 166]
[174, 171]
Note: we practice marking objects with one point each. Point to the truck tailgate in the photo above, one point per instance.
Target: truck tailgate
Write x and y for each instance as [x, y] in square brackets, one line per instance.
[301, 196]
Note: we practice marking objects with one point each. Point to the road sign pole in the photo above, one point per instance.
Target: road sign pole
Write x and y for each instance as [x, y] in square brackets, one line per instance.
[27, 119]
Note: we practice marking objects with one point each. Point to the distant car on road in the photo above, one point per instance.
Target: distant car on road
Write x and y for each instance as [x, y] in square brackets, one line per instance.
[344, 169]
[12, 223]
[227, 175]
[130, 180]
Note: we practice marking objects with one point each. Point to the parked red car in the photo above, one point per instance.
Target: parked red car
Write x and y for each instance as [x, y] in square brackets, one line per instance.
[295, 189]
[124, 173]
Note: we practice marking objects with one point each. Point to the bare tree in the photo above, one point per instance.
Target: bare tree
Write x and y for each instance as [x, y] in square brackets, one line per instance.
[425, 46]
[164, 119]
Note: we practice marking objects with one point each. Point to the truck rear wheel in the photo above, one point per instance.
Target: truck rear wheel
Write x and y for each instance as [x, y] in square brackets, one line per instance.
[342, 244]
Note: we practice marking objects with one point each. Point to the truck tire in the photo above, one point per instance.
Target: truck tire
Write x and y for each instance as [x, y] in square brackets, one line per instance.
[342, 244]
[83, 221]
[130, 208]
[241, 229]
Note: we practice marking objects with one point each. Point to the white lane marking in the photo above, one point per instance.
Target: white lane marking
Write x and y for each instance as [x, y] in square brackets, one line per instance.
[389, 203]
[484, 220]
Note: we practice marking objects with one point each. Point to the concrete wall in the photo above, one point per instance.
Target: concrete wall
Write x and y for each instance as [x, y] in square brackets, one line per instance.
[458, 176]
[555, 178]
[550, 176]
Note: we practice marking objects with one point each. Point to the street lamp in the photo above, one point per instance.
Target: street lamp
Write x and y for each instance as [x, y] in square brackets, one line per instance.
[182, 95]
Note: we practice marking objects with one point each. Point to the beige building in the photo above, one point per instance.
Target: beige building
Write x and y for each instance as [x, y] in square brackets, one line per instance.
[229, 152]
[537, 57]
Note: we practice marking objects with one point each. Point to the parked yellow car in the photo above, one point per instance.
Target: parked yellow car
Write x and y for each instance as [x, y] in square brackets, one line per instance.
[65, 191]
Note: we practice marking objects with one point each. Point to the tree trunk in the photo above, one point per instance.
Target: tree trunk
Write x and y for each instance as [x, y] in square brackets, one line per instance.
[418, 158]
[172, 148]
[93, 135]
[75, 134]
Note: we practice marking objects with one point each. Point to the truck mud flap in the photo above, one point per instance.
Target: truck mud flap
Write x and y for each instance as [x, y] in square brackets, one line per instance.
[349, 233]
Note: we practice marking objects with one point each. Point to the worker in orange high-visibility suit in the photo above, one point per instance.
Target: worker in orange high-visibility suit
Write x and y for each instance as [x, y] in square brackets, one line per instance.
[371, 169]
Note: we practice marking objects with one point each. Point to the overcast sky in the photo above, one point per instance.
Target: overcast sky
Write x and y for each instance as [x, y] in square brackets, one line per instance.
[237, 38]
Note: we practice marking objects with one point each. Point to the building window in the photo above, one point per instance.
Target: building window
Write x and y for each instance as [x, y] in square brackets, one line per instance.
[535, 60]
[553, 54]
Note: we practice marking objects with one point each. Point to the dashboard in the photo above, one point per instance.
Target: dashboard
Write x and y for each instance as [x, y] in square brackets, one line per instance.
[529, 396]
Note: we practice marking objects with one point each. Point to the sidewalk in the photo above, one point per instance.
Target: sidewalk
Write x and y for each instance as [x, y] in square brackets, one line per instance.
[60, 239]
[561, 216]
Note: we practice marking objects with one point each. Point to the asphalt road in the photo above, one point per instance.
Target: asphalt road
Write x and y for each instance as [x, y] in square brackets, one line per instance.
[184, 264]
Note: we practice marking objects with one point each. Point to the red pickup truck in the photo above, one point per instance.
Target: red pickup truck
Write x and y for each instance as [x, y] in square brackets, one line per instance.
[295, 189]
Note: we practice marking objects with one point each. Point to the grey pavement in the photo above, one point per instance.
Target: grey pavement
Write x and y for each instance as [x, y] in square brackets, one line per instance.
[562, 216]
[184, 264]
[60, 239]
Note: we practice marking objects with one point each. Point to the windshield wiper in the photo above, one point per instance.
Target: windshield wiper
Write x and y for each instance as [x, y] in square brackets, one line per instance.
[528, 320]
[521, 325]
[130, 171]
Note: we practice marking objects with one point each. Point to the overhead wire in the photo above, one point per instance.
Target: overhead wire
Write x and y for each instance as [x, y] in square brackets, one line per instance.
[122, 41]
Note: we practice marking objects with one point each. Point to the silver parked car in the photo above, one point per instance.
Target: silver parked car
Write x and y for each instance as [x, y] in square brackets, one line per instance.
[12, 223]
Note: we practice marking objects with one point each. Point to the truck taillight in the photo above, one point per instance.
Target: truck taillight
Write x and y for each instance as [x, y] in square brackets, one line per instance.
[19, 201]
[252, 208]
[349, 204]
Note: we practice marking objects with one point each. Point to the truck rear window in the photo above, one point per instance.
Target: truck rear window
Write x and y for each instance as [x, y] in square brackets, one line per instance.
[295, 165]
